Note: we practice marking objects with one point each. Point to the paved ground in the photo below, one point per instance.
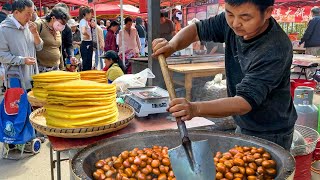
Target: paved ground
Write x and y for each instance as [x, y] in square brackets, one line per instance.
[35, 167]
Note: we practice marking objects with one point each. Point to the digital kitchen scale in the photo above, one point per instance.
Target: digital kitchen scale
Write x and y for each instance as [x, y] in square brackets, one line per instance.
[148, 100]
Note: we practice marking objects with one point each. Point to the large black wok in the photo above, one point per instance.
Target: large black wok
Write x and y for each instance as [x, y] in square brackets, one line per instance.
[83, 162]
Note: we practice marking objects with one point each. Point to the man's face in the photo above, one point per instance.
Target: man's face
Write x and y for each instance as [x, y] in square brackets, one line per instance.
[24, 16]
[129, 25]
[246, 20]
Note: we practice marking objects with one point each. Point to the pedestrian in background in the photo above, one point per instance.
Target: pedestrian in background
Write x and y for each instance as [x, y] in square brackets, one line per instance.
[5, 11]
[86, 48]
[50, 28]
[311, 37]
[97, 39]
[66, 35]
[20, 40]
[142, 35]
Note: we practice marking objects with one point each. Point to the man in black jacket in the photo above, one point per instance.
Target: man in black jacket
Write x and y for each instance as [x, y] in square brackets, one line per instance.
[6, 9]
[311, 37]
[258, 58]
[67, 47]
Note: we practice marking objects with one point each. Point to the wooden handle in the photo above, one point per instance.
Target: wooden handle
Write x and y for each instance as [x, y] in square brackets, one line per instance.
[166, 76]
[169, 84]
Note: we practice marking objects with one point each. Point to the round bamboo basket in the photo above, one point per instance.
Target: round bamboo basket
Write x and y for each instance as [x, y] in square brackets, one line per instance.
[38, 121]
[34, 101]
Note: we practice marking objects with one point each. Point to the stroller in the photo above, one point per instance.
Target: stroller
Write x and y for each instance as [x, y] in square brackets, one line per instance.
[16, 132]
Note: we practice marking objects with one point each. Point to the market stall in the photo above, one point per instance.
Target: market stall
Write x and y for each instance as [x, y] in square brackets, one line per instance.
[109, 9]
[70, 122]
[50, 3]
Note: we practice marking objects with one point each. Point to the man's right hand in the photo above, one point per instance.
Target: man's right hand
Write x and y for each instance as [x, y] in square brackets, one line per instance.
[162, 46]
[29, 61]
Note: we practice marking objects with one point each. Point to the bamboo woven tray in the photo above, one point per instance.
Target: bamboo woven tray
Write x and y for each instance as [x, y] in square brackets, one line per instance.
[38, 121]
[34, 101]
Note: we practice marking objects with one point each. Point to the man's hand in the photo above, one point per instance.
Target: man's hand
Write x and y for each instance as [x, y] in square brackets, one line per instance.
[182, 108]
[29, 61]
[162, 46]
[33, 28]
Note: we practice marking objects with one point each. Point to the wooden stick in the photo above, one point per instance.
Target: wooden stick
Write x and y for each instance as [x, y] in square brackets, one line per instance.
[167, 77]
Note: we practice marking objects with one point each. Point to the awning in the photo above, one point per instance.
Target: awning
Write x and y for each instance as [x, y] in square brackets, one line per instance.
[293, 2]
[50, 3]
[111, 9]
[136, 2]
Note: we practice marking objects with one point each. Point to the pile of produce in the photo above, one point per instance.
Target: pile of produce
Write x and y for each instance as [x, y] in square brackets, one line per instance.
[81, 103]
[239, 163]
[40, 81]
[249, 163]
[149, 163]
[94, 75]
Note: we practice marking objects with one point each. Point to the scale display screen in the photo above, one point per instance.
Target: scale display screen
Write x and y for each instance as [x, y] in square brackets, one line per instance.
[133, 103]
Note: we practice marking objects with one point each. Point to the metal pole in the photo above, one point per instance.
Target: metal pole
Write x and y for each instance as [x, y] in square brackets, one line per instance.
[97, 36]
[51, 162]
[58, 166]
[40, 8]
[122, 35]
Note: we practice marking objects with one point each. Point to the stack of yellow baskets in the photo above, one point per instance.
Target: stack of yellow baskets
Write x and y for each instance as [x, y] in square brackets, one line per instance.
[40, 81]
[94, 75]
[81, 103]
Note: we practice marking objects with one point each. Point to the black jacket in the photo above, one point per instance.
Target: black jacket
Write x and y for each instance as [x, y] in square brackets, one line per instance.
[312, 35]
[141, 31]
[257, 70]
[67, 47]
[3, 16]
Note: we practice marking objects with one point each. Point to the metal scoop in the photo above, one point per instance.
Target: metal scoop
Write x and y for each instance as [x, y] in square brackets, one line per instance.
[192, 160]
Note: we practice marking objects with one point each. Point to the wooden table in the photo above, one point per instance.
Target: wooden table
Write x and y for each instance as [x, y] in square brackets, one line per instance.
[185, 59]
[195, 70]
[302, 62]
[305, 57]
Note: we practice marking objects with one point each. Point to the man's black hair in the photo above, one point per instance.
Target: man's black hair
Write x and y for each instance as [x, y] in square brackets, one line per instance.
[315, 11]
[261, 4]
[20, 5]
[114, 23]
[63, 5]
[7, 7]
[127, 19]
[139, 21]
[58, 13]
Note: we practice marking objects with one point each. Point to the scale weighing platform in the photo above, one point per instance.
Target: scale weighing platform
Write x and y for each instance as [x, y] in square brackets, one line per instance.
[148, 100]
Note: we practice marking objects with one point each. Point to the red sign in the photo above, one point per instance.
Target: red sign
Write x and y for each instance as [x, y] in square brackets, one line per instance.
[292, 14]
[143, 6]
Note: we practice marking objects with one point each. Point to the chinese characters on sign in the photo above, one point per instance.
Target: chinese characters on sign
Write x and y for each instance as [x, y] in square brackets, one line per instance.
[292, 14]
